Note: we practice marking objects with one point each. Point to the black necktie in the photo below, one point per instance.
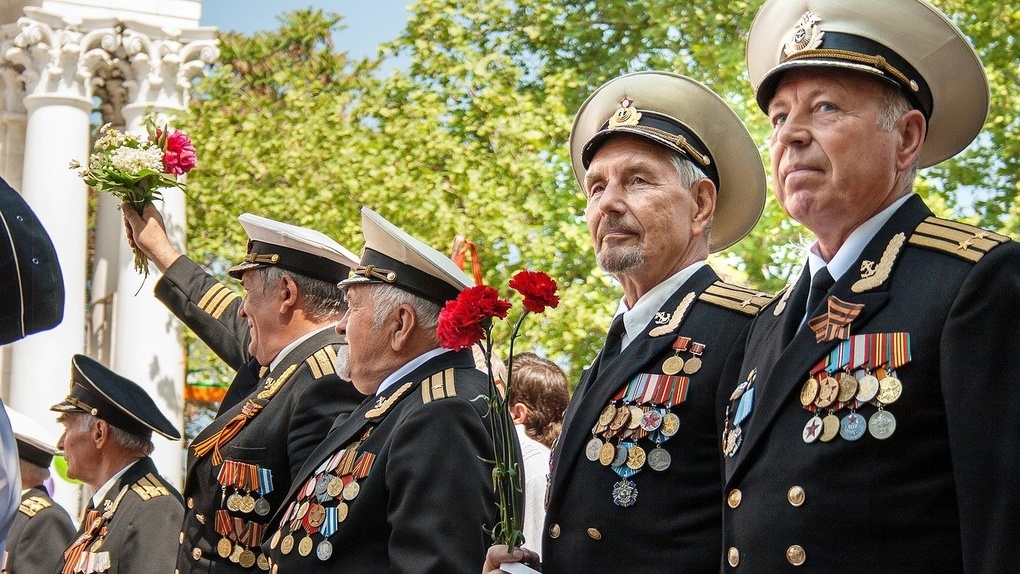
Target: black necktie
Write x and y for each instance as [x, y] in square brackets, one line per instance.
[821, 282]
[614, 339]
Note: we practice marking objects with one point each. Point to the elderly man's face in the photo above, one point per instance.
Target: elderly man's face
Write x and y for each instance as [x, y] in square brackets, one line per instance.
[79, 449]
[833, 166]
[367, 344]
[639, 214]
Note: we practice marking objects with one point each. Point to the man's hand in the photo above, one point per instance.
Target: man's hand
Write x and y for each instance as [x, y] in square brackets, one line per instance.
[148, 232]
[498, 554]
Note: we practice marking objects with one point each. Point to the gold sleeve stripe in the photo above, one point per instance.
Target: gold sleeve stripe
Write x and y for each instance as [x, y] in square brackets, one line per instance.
[212, 292]
[325, 364]
[955, 238]
[224, 304]
[314, 366]
[438, 386]
[735, 298]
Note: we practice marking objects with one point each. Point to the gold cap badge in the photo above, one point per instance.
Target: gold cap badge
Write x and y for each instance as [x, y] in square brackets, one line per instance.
[805, 35]
[627, 115]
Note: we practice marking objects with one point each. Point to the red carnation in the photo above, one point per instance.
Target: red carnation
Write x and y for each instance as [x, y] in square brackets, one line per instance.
[178, 153]
[462, 320]
[539, 290]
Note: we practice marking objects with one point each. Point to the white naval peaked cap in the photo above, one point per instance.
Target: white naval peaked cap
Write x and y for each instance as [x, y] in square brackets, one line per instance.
[907, 43]
[688, 118]
[294, 248]
[35, 444]
[392, 257]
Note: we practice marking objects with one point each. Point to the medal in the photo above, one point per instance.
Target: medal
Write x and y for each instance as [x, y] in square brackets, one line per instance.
[232, 502]
[830, 427]
[852, 427]
[847, 388]
[659, 459]
[341, 511]
[316, 515]
[672, 365]
[350, 492]
[867, 388]
[812, 430]
[625, 493]
[320, 484]
[732, 442]
[262, 507]
[324, 550]
[620, 455]
[287, 544]
[262, 562]
[607, 454]
[828, 390]
[224, 548]
[247, 559]
[305, 546]
[247, 503]
[635, 457]
[275, 540]
[809, 392]
[889, 389]
[651, 420]
[593, 449]
[335, 487]
[235, 556]
[693, 365]
[882, 424]
[670, 424]
[608, 413]
[621, 418]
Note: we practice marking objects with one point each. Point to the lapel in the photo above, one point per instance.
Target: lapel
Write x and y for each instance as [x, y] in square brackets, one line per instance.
[295, 357]
[792, 363]
[371, 412]
[640, 356]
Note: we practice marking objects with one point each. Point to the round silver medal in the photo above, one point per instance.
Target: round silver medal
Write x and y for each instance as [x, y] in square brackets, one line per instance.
[659, 459]
[324, 550]
[812, 430]
[852, 426]
[593, 448]
[867, 388]
[882, 425]
[621, 455]
[262, 507]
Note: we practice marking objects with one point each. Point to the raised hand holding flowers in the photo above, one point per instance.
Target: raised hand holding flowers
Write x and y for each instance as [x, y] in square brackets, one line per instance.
[135, 169]
[467, 320]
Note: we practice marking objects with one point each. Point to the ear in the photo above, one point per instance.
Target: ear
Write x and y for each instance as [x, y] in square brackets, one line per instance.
[403, 323]
[100, 433]
[519, 413]
[912, 128]
[287, 293]
[704, 194]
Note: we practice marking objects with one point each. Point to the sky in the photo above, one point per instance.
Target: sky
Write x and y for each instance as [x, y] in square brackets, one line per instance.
[367, 23]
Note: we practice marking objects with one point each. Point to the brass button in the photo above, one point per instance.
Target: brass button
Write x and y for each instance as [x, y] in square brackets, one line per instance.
[795, 495]
[734, 498]
[196, 553]
[594, 534]
[796, 555]
[191, 502]
[200, 518]
[182, 538]
[733, 556]
[554, 531]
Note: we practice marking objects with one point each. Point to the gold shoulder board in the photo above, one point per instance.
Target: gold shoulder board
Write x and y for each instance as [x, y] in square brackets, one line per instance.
[735, 297]
[321, 362]
[149, 487]
[216, 300]
[32, 505]
[438, 386]
[955, 238]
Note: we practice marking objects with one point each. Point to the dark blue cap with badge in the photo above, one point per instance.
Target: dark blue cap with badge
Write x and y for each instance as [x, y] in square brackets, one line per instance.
[393, 257]
[104, 394]
[30, 278]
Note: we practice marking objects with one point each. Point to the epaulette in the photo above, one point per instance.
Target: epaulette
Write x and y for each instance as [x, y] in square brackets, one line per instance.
[955, 238]
[321, 362]
[33, 505]
[438, 386]
[217, 299]
[149, 487]
[736, 298]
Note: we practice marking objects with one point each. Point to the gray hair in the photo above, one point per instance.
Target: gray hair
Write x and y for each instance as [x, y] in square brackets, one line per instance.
[128, 441]
[323, 301]
[894, 105]
[387, 298]
[690, 174]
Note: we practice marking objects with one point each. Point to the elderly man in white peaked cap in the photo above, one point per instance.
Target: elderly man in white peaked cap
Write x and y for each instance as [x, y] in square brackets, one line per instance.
[402, 485]
[873, 422]
[40, 524]
[286, 395]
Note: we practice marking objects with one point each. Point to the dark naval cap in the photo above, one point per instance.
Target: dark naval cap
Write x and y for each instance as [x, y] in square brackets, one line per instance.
[30, 278]
[35, 445]
[298, 249]
[104, 394]
[688, 118]
[392, 257]
[909, 44]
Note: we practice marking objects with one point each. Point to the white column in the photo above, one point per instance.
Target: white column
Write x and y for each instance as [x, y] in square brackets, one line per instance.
[57, 132]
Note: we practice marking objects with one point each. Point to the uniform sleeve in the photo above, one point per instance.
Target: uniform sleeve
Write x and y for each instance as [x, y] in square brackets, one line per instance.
[40, 548]
[441, 490]
[318, 404]
[980, 371]
[208, 307]
[151, 542]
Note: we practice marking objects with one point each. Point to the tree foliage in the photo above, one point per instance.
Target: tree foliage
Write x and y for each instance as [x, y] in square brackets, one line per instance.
[465, 134]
